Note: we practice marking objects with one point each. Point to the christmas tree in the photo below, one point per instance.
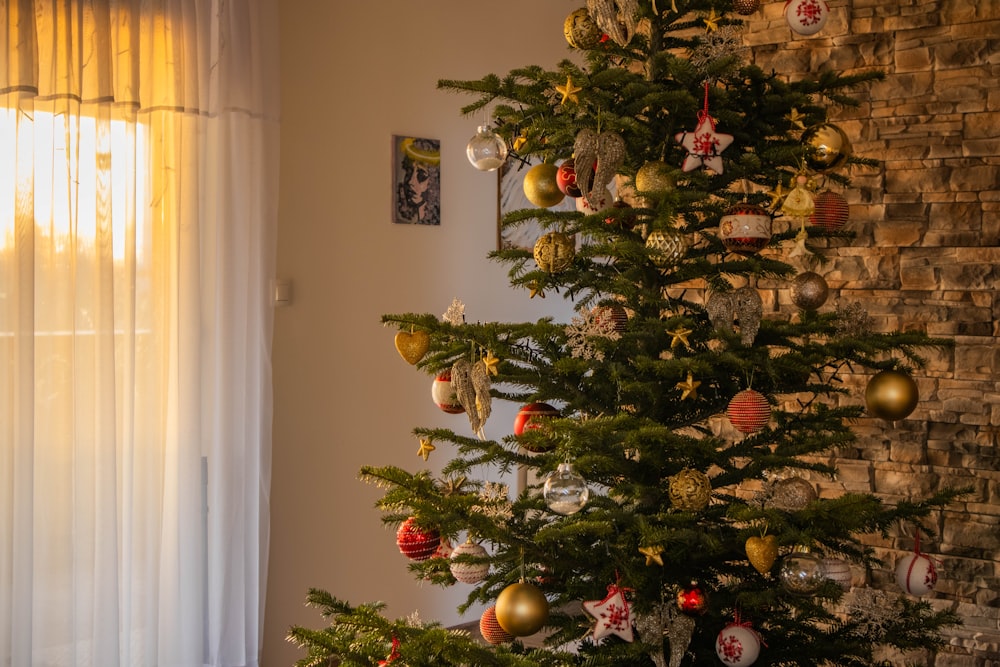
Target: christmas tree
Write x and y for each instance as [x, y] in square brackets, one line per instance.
[674, 430]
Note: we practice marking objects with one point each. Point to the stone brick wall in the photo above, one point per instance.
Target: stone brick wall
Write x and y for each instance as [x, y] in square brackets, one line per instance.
[925, 257]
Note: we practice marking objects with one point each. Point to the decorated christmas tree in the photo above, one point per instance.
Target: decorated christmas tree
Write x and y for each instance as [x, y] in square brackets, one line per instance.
[673, 435]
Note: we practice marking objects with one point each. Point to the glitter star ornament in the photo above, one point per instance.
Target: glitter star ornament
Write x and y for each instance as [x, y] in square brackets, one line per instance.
[689, 388]
[569, 92]
[704, 145]
[653, 554]
[426, 447]
[613, 615]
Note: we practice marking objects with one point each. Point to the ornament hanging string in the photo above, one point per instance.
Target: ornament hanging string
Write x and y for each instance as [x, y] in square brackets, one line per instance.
[703, 114]
[738, 621]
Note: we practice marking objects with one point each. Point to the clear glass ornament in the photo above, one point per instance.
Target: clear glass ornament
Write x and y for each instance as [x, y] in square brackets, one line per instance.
[565, 491]
[802, 572]
[487, 150]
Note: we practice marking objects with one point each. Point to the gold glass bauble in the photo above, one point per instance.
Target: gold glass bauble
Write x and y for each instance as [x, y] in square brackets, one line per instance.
[669, 247]
[690, 490]
[580, 30]
[522, 609]
[891, 395]
[809, 290]
[554, 252]
[541, 186]
[827, 147]
[655, 177]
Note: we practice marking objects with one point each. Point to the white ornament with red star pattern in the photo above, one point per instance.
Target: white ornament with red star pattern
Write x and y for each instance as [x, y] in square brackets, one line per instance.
[613, 614]
[916, 573]
[738, 644]
[806, 17]
[704, 145]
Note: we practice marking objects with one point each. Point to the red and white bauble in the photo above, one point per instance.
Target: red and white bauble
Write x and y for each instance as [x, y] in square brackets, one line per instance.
[566, 179]
[469, 573]
[417, 543]
[806, 17]
[745, 229]
[595, 203]
[490, 628]
[532, 416]
[916, 574]
[839, 571]
[830, 211]
[443, 393]
[737, 644]
[749, 411]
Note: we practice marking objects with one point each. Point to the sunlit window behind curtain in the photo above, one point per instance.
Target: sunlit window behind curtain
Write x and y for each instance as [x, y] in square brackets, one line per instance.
[137, 206]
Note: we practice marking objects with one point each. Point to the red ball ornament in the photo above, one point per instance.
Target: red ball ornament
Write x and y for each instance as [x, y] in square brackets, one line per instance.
[691, 600]
[417, 543]
[566, 179]
[532, 416]
[749, 411]
[443, 394]
[626, 220]
[613, 316]
[831, 211]
[490, 628]
[745, 229]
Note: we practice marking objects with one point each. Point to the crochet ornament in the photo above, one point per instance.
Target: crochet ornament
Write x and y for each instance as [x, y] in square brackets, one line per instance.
[704, 145]
[613, 614]
[738, 644]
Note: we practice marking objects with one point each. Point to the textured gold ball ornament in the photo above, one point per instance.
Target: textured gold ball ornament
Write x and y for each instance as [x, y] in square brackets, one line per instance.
[580, 30]
[791, 494]
[522, 609]
[669, 247]
[891, 395]
[809, 290]
[827, 147]
[762, 551]
[554, 252]
[690, 490]
[746, 7]
[655, 177]
[541, 185]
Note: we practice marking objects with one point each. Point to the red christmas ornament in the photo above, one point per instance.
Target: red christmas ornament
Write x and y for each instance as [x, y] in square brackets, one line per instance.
[490, 628]
[417, 543]
[831, 211]
[692, 600]
[745, 229]
[566, 179]
[748, 411]
[532, 416]
[614, 316]
[443, 394]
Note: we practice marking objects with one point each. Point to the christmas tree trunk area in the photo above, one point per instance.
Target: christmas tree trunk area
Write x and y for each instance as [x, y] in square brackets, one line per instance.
[672, 431]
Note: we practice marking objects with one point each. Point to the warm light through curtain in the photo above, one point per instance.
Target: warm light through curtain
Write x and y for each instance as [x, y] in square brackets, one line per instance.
[137, 223]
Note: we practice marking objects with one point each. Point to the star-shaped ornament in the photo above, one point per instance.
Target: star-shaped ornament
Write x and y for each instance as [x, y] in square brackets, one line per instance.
[653, 554]
[704, 145]
[799, 248]
[712, 21]
[426, 447]
[796, 119]
[569, 91]
[519, 142]
[679, 337]
[491, 363]
[536, 290]
[613, 615]
[689, 388]
[452, 485]
[776, 195]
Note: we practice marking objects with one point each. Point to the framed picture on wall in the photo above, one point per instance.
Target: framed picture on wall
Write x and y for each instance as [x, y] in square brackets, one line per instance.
[416, 180]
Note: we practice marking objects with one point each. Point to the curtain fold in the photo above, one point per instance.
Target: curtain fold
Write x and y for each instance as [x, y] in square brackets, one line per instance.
[138, 206]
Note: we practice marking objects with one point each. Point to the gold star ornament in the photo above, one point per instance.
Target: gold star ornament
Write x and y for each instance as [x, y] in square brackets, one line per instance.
[426, 447]
[776, 195]
[536, 290]
[712, 21]
[679, 336]
[492, 364]
[569, 91]
[795, 118]
[653, 554]
[689, 388]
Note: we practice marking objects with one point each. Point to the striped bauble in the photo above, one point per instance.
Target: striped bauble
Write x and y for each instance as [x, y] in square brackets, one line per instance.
[748, 411]
[830, 211]
[465, 571]
[490, 628]
[417, 543]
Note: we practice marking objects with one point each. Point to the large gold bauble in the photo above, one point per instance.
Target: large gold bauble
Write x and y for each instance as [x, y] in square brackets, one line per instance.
[690, 490]
[541, 186]
[669, 247]
[655, 177]
[809, 290]
[522, 609]
[554, 252]
[827, 147]
[580, 30]
[891, 395]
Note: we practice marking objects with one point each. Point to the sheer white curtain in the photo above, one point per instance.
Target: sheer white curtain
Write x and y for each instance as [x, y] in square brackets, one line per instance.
[138, 155]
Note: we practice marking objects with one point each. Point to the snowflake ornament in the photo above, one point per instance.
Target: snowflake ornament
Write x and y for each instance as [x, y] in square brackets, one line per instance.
[704, 145]
[582, 329]
[613, 614]
[496, 504]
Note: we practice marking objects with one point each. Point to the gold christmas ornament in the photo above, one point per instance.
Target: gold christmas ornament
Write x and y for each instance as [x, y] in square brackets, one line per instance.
[809, 290]
[791, 494]
[762, 551]
[412, 345]
[891, 395]
[655, 177]
[554, 252]
[541, 187]
[668, 245]
[827, 147]
[580, 30]
[690, 490]
[522, 609]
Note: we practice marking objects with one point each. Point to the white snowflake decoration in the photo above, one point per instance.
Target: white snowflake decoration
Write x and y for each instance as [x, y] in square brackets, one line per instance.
[495, 502]
[873, 610]
[725, 41]
[582, 329]
[455, 313]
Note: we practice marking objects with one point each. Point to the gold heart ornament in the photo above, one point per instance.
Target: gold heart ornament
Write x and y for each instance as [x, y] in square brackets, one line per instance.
[762, 552]
[412, 345]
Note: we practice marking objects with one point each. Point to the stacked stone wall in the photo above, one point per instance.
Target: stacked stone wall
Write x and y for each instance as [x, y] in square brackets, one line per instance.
[926, 256]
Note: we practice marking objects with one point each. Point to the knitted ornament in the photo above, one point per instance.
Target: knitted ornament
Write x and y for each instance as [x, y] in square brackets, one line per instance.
[417, 543]
[830, 211]
[738, 644]
[749, 411]
[465, 571]
[490, 629]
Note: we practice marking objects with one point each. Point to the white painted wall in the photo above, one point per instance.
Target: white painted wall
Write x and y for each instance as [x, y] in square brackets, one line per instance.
[354, 74]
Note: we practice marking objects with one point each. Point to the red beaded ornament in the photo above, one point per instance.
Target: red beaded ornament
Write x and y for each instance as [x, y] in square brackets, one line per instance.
[831, 211]
[417, 543]
[490, 628]
[748, 411]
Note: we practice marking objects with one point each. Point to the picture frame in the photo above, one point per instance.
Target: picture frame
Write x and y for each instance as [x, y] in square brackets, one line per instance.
[416, 180]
